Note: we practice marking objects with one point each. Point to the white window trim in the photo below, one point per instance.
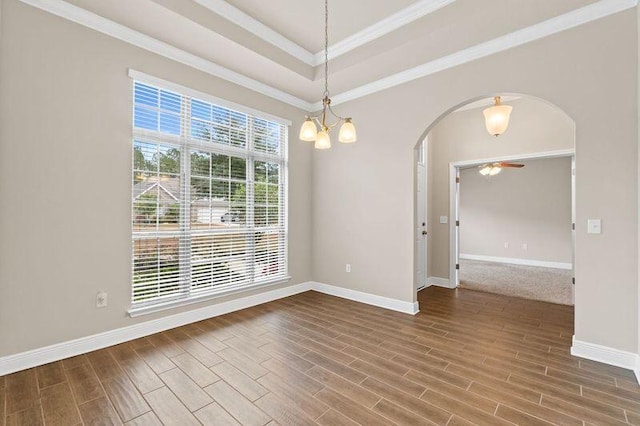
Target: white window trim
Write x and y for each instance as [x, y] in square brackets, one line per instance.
[250, 155]
[187, 91]
[176, 303]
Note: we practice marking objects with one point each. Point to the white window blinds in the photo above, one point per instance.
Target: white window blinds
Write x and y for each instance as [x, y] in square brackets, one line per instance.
[209, 204]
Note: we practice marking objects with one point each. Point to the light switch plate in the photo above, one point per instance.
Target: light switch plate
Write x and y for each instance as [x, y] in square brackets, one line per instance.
[444, 219]
[594, 226]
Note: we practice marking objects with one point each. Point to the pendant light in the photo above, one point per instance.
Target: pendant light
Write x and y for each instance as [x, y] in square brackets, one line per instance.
[309, 132]
[497, 117]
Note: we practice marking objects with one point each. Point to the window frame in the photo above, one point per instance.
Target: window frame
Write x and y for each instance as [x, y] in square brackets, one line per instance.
[187, 144]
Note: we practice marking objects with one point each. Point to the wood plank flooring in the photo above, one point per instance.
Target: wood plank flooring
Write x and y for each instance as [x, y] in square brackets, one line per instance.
[467, 358]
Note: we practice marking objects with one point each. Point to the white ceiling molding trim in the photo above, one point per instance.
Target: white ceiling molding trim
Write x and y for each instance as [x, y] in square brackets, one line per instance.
[399, 19]
[586, 14]
[535, 32]
[257, 28]
[121, 32]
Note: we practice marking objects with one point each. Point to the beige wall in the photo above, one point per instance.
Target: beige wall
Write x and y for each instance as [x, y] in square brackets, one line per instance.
[363, 193]
[535, 126]
[65, 139]
[531, 206]
[65, 176]
[638, 204]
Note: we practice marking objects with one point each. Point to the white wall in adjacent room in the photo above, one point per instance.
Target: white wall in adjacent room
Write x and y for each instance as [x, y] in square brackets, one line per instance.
[528, 206]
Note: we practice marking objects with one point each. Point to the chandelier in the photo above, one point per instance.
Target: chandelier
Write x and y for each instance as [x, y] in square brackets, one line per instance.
[497, 117]
[309, 132]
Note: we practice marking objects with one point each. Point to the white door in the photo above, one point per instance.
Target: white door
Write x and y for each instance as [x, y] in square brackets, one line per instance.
[456, 243]
[573, 229]
[421, 221]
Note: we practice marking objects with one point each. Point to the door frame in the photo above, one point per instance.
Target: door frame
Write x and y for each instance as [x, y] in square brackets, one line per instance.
[454, 201]
[421, 158]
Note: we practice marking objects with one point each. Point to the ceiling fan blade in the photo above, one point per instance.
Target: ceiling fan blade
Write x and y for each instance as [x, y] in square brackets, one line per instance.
[514, 165]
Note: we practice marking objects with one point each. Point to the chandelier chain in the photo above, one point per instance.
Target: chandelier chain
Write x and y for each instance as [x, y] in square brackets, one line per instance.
[326, 119]
[326, 48]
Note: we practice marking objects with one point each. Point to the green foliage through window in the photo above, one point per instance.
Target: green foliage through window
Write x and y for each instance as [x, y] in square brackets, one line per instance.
[208, 205]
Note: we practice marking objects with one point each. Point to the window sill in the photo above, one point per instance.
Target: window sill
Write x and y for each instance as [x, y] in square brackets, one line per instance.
[150, 309]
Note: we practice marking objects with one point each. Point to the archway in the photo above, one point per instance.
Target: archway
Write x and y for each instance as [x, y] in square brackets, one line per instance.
[538, 129]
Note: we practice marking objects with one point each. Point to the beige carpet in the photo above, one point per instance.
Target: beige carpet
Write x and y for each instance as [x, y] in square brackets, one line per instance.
[528, 282]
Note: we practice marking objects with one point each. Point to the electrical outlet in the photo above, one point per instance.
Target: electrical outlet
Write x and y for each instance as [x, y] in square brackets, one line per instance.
[101, 299]
[348, 267]
[506, 245]
[525, 246]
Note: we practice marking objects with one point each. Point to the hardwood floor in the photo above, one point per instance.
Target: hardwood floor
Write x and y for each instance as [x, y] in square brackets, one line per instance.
[467, 358]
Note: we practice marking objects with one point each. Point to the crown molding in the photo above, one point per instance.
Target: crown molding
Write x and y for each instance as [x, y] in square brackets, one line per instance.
[595, 11]
[96, 22]
[399, 19]
[584, 15]
[257, 28]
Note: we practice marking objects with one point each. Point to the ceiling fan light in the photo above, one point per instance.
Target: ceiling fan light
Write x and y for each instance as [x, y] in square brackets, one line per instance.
[485, 170]
[308, 131]
[497, 117]
[347, 132]
[323, 141]
[495, 170]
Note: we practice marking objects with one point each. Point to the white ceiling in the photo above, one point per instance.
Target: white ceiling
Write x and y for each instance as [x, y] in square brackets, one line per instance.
[274, 47]
[302, 21]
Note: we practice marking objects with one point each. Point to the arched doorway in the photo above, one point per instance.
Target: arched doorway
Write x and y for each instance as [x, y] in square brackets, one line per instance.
[458, 139]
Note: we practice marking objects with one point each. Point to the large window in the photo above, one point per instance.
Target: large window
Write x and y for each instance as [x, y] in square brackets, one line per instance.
[209, 198]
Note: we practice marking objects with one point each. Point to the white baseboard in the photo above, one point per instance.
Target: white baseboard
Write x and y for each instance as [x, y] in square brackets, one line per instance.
[40, 356]
[439, 282]
[21, 361]
[517, 261]
[411, 308]
[606, 355]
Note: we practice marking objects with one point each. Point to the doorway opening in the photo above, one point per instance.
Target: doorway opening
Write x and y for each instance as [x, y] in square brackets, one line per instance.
[514, 232]
[421, 202]
[457, 144]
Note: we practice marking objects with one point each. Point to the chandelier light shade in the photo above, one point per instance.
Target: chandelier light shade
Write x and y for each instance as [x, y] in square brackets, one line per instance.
[320, 134]
[347, 132]
[323, 141]
[308, 131]
[497, 117]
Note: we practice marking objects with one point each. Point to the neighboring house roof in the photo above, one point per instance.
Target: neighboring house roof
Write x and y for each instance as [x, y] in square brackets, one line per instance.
[170, 188]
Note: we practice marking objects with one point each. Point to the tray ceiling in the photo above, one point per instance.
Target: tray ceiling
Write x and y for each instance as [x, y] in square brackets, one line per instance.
[275, 47]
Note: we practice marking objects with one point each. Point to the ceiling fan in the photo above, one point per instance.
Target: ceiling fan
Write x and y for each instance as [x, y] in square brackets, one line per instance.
[493, 169]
